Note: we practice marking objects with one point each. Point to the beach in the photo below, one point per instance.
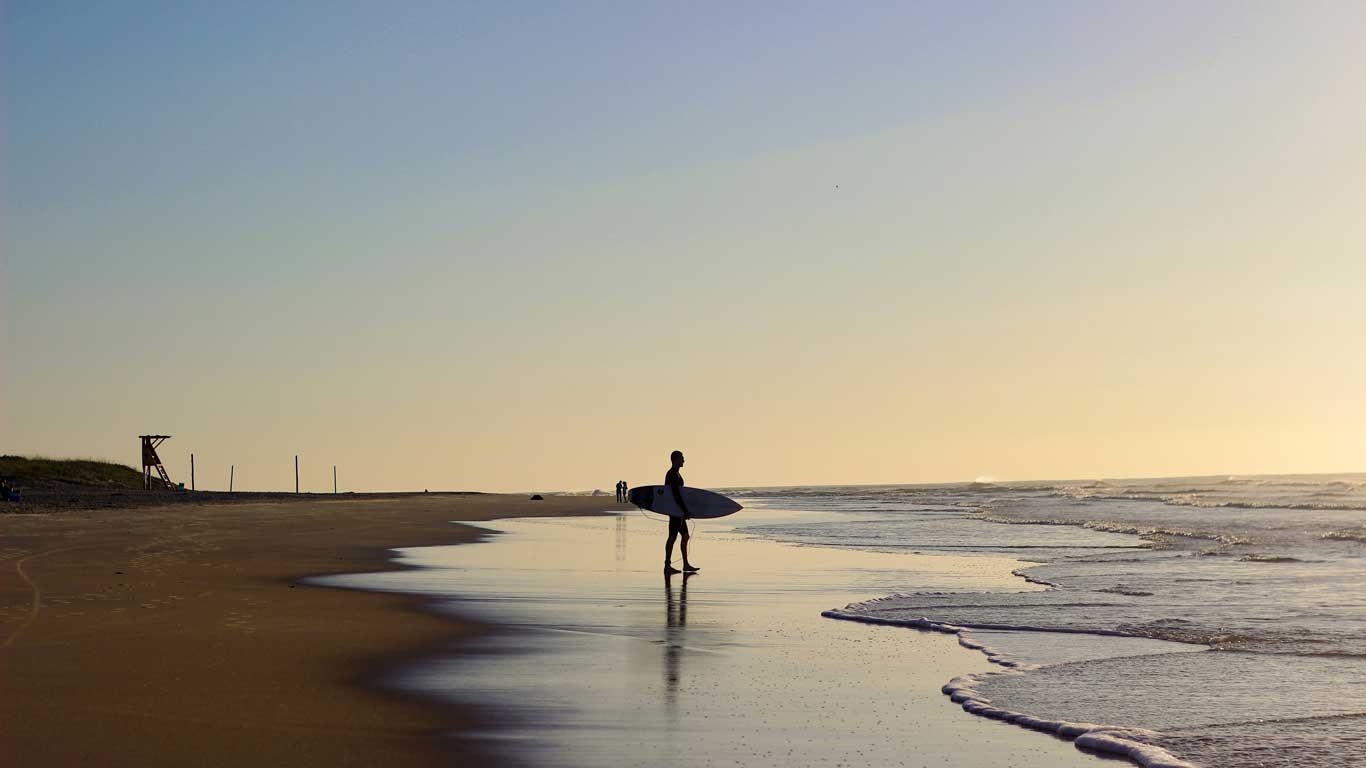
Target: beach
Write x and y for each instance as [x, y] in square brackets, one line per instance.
[178, 635]
[213, 635]
[595, 658]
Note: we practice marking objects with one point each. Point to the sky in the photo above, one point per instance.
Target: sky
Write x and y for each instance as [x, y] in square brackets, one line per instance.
[538, 246]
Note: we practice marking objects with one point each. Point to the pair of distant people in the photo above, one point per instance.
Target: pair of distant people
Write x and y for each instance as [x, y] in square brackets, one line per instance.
[622, 491]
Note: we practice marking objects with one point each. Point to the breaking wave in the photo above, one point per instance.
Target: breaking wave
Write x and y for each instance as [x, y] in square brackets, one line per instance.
[1359, 536]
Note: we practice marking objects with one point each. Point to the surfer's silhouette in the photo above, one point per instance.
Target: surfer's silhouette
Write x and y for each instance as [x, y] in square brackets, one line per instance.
[678, 526]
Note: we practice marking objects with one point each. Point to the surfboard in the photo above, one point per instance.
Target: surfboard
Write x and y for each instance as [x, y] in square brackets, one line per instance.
[702, 504]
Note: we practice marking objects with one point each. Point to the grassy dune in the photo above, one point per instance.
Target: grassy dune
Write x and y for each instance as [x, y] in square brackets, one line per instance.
[30, 472]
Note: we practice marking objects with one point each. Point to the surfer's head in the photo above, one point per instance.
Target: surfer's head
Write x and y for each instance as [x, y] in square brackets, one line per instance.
[676, 458]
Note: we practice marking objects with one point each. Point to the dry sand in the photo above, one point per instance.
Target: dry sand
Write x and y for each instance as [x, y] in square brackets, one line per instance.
[179, 635]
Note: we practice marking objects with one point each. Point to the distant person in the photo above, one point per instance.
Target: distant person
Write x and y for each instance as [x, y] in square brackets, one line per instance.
[677, 525]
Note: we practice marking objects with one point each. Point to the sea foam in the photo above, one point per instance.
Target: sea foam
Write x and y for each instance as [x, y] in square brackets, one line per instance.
[963, 691]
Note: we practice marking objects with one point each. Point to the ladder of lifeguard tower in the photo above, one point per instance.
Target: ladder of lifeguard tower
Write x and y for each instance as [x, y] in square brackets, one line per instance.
[151, 461]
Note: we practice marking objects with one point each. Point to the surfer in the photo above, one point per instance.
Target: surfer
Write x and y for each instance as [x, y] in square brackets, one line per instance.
[678, 526]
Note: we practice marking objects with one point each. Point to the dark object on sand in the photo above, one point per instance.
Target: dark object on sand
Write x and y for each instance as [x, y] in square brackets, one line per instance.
[537, 497]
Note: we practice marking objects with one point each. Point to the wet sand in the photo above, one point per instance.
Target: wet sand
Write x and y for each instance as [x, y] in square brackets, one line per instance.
[182, 635]
[596, 659]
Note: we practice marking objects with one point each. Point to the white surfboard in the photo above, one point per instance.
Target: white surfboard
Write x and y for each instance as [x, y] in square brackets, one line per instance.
[701, 504]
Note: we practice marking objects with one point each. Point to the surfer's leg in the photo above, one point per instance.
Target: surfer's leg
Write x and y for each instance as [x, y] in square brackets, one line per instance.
[669, 545]
[683, 545]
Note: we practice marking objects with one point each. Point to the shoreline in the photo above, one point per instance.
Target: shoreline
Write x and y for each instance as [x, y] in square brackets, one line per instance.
[591, 667]
[187, 633]
[1100, 738]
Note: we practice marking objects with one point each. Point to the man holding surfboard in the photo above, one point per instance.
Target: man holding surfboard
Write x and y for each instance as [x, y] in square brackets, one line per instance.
[680, 504]
[678, 526]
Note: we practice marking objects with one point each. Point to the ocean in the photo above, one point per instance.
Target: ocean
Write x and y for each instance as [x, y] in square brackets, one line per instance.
[1258, 583]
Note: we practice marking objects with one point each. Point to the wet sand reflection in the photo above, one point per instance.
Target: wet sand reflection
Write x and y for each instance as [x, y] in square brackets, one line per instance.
[676, 622]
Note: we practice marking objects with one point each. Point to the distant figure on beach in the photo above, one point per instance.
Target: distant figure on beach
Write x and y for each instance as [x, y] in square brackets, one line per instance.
[678, 526]
[619, 494]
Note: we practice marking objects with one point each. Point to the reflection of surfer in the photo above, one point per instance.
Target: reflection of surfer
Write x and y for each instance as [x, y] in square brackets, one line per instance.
[678, 526]
[676, 617]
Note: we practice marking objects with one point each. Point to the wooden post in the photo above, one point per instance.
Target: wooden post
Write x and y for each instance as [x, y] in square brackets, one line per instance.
[192, 472]
[232, 468]
[334, 479]
[296, 473]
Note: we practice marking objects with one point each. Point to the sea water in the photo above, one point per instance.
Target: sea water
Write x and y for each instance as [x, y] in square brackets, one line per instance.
[1261, 582]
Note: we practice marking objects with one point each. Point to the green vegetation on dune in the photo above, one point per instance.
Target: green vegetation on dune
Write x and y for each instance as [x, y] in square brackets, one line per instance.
[34, 471]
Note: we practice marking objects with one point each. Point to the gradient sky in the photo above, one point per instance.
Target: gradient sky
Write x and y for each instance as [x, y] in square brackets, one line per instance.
[510, 246]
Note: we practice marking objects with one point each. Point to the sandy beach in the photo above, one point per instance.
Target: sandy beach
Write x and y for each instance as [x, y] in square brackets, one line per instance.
[210, 634]
[181, 635]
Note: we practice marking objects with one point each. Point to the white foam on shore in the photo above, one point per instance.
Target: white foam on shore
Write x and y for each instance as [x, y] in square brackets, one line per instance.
[962, 690]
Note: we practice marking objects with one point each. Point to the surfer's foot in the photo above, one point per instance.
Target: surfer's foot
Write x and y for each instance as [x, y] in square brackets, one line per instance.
[669, 570]
[690, 568]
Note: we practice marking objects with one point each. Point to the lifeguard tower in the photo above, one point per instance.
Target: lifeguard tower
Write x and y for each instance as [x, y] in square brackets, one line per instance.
[151, 461]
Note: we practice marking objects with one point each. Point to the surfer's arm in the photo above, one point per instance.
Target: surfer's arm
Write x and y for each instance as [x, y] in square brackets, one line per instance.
[678, 499]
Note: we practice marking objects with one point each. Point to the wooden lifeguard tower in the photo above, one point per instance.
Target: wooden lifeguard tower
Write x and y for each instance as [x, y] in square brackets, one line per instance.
[151, 461]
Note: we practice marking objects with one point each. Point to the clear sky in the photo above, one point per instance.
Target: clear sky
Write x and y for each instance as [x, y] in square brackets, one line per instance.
[530, 246]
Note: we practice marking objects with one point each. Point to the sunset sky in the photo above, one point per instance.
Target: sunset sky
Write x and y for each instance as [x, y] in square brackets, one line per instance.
[506, 246]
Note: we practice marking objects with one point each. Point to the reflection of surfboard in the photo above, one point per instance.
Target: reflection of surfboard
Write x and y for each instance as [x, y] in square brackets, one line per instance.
[701, 504]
